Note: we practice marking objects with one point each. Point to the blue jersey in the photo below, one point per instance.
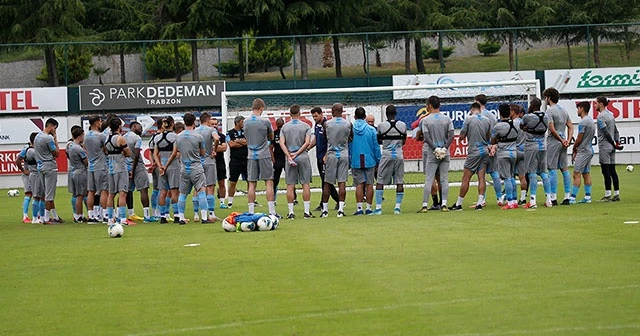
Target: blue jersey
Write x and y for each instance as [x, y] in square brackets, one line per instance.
[321, 140]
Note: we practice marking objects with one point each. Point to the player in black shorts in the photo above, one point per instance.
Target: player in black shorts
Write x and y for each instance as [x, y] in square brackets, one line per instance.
[239, 152]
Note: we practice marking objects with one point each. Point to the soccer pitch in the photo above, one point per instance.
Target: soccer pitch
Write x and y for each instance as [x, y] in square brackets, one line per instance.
[570, 270]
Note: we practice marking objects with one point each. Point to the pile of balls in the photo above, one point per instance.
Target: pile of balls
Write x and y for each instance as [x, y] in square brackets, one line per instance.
[246, 222]
[13, 193]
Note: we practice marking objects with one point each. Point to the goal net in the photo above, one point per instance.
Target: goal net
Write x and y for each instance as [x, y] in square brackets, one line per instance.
[409, 100]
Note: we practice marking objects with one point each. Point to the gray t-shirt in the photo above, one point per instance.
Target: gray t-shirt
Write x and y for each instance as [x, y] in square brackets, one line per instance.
[492, 118]
[295, 133]
[476, 127]
[608, 122]
[537, 124]
[165, 142]
[558, 116]
[338, 131]
[257, 131]
[207, 136]
[507, 134]
[77, 155]
[44, 146]
[392, 147]
[587, 128]
[28, 154]
[189, 143]
[134, 142]
[94, 144]
[522, 135]
[436, 127]
[116, 162]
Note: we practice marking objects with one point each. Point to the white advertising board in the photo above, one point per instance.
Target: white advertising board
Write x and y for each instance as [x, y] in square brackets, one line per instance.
[17, 130]
[30, 100]
[597, 80]
[626, 109]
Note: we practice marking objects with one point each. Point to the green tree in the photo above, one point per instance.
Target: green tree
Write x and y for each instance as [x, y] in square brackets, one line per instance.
[72, 65]
[160, 60]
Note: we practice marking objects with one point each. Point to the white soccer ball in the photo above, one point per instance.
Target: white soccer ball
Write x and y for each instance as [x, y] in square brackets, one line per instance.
[228, 226]
[630, 168]
[13, 193]
[115, 230]
[275, 221]
[265, 223]
[247, 226]
[440, 153]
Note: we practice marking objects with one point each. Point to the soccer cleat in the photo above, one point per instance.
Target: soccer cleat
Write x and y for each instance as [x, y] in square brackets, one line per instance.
[58, 220]
[77, 221]
[522, 202]
[584, 201]
[424, 209]
[549, 204]
[501, 200]
[49, 222]
[163, 220]
[224, 206]
[291, 216]
[181, 222]
[93, 221]
[455, 207]
[397, 211]
[324, 214]
[368, 212]
[530, 206]
[319, 208]
[358, 213]
[435, 207]
[566, 201]
[474, 205]
[337, 207]
[515, 206]
[135, 217]
[26, 220]
[196, 217]
[128, 222]
[615, 198]
[572, 201]
[229, 206]
[176, 219]
[308, 215]
[151, 219]
[553, 203]
[340, 214]
[480, 206]
[36, 221]
[295, 202]
[444, 209]
[376, 212]
[276, 215]
[510, 207]
[605, 199]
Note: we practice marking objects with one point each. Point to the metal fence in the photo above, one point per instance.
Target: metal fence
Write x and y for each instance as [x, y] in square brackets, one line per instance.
[259, 58]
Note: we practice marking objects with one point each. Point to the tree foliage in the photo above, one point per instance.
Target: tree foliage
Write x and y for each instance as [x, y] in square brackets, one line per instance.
[73, 66]
[160, 60]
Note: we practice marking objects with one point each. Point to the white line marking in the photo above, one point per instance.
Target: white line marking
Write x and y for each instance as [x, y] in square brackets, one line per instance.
[552, 330]
[416, 304]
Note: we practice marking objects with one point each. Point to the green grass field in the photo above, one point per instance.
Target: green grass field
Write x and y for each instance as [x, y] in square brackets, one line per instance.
[562, 271]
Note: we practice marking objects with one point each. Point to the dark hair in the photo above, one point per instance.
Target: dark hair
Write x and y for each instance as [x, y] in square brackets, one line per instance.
[190, 119]
[159, 123]
[434, 101]
[114, 124]
[75, 133]
[167, 122]
[204, 117]
[360, 113]
[337, 109]
[51, 122]
[475, 105]
[505, 110]
[179, 126]
[603, 100]
[295, 109]
[32, 136]
[515, 108]
[481, 98]
[534, 105]
[93, 119]
[390, 111]
[585, 106]
[133, 123]
[552, 94]
[73, 128]
[316, 110]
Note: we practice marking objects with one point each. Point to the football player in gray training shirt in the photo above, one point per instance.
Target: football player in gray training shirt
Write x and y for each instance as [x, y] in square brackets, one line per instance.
[534, 123]
[190, 146]
[392, 135]
[117, 151]
[517, 111]
[491, 170]
[336, 160]
[96, 171]
[436, 130]
[295, 138]
[211, 138]
[46, 149]
[477, 130]
[77, 173]
[138, 175]
[505, 135]
[557, 144]
[583, 153]
[259, 134]
[608, 142]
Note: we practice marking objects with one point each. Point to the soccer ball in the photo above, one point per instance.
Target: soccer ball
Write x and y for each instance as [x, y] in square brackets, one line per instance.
[440, 153]
[630, 168]
[115, 230]
[228, 226]
[274, 221]
[13, 192]
[247, 226]
[265, 223]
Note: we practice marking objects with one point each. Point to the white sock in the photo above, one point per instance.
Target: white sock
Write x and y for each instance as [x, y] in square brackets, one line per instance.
[104, 212]
[379, 206]
[290, 205]
[90, 213]
[616, 192]
[481, 199]
[532, 200]
[230, 200]
[572, 198]
[587, 197]
[307, 207]
[181, 215]
[444, 203]
[132, 212]
[46, 215]
[567, 195]
[325, 207]
[341, 206]
[554, 196]
[203, 214]
[54, 214]
[425, 204]
[459, 201]
[146, 212]
[96, 210]
[523, 194]
[368, 206]
[156, 212]
[359, 206]
[272, 207]
[252, 207]
[212, 213]
[222, 200]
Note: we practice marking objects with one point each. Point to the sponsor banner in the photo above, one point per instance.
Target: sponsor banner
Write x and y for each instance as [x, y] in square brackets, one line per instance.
[31, 100]
[594, 80]
[629, 138]
[623, 109]
[8, 158]
[411, 114]
[17, 130]
[412, 149]
[471, 77]
[146, 96]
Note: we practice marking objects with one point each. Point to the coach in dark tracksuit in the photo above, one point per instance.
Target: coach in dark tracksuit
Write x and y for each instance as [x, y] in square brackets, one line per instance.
[321, 150]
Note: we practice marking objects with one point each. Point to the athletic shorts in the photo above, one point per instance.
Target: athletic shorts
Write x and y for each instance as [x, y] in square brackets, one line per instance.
[221, 171]
[521, 168]
[582, 164]
[118, 182]
[491, 160]
[36, 184]
[49, 180]
[211, 174]
[196, 179]
[78, 183]
[97, 180]
[155, 179]
[505, 166]
[259, 170]
[139, 181]
[476, 162]
[236, 169]
[362, 175]
[607, 155]
[556, 155]
[535, 161]
[170, 179]
[300, 174]
[391, 170]
[336, 170]
[26, 183]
